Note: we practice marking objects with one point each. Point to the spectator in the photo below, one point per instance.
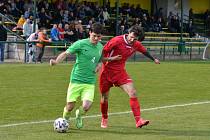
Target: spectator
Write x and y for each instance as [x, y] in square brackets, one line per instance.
[36, 26]
[191, 29]
[79, 29]
[146, 23]
[32, 50]
[65, 16]
[20, 5]
[174, 25]
[87, 29]
[106, 16]
[66, 32]
[28, 4]
[43, 40]
[14, 11]
[61, 31]
[27, 31]
[27, 28]
[3, 8]
[157, 27]
[71, 34]
[81, 12]
[3, 37]
[28, 13]
[55, 33]
[159, 13]
[44, 17]
[20, 23]
[71, 16]
[90, 23]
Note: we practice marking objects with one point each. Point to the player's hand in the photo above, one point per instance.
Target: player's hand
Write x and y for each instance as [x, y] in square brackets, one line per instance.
[52, 62]
[117, 57]
[157, 61]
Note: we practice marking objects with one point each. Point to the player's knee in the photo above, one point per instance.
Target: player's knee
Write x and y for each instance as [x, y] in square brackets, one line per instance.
[132, 93]
[69, 107]
[104, 97]
[86, 108]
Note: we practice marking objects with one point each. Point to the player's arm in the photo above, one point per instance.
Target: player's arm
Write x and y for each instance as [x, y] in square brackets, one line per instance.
[112, 58]
[109, 50]
[144, 51]
[98, 67]
[59, 59]
[147, 54]
[75, 47]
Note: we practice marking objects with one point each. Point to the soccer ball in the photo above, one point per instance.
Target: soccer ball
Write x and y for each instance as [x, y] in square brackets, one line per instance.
[61, 125]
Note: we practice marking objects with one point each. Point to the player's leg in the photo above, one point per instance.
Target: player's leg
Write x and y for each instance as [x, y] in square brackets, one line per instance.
[104, 109]
[87, 97]
[29, 53]
[134, 104]
[105, 85]
[73, 93]
[67, 110]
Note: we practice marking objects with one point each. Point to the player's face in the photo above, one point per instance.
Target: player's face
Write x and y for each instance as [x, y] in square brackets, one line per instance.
[94, 38]
[131, 38]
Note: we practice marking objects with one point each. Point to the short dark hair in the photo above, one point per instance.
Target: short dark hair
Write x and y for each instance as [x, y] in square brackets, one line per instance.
[138, 31]
[97, 28]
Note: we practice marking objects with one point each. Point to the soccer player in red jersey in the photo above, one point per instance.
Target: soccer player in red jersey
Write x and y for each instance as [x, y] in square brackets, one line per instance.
[113, 73]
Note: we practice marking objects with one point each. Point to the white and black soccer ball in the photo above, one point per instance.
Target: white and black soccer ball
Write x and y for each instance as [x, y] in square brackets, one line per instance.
[61, 125]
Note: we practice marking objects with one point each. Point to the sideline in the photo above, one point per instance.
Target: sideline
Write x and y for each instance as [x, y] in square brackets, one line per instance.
[110, 114]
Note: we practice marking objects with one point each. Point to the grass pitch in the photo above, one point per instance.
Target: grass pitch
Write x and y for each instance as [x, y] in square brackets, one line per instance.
[32, 94]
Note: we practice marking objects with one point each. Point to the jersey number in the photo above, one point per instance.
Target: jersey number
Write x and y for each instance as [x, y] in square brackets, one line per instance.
[93, 60]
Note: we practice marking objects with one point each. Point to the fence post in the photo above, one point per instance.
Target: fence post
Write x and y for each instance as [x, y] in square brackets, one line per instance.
[190, 51]
[65, 50]
[25, 53]
[164, 51]
[134, 57]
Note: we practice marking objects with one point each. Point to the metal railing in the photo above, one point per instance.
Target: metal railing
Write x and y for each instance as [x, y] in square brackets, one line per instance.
[162, 49]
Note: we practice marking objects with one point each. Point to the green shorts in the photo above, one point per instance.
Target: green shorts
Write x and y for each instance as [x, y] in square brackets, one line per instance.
[85, 91]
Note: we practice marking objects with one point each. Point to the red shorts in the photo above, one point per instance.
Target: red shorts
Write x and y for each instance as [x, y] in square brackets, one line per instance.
[113, 78]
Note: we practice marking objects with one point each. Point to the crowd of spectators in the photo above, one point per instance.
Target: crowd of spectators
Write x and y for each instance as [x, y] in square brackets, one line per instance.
[65, 20]
[67, 12]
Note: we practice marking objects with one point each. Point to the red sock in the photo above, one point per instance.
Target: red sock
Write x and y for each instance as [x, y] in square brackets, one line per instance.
[104, 109]
[135, 107]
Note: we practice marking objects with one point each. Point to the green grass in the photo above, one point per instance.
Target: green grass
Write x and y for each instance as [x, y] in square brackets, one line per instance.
[37, 92]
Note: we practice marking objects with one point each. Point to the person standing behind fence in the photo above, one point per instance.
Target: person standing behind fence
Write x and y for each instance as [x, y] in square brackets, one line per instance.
[3, 37]
[27, 28]
[54, 33]
[43, 39]
[32, 50]
[27, 31]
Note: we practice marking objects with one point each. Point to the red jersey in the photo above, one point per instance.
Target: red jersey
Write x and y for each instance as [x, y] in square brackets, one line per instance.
[61, 33]
[119, 46]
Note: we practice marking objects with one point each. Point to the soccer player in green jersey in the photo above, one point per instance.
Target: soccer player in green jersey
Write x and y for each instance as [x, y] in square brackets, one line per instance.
[83, 76]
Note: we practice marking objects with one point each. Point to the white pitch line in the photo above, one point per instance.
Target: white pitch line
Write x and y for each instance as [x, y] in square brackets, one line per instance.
[110, 114]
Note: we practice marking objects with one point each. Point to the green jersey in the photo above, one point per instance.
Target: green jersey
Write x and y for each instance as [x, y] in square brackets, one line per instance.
[88, 56]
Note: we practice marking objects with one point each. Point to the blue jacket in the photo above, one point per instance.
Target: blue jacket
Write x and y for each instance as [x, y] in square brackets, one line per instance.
[54, 34]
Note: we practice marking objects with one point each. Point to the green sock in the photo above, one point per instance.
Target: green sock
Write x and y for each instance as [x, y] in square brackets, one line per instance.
[81, 111]
[66, 114]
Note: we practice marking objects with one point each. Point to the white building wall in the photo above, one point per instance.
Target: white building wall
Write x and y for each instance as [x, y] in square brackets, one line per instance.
[174, 6]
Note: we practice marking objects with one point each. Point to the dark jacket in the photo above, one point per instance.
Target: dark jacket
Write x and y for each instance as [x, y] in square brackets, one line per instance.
[3, 33]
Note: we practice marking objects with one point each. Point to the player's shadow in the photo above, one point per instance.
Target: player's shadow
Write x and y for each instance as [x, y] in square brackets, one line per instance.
[180, 132]
[124, 130]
